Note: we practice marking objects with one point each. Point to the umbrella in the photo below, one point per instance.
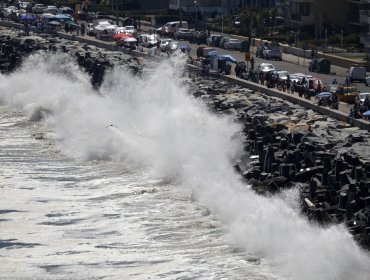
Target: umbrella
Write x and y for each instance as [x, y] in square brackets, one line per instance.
[323, 94]
[186, 47]
[367, 113]
[121, 36]
[54, 23]
[228, 57]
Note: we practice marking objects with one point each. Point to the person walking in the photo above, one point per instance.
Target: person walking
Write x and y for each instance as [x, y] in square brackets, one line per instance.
[83, 29]
[252, 63]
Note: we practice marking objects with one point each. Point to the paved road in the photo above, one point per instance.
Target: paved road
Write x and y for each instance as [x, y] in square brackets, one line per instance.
[290, 63]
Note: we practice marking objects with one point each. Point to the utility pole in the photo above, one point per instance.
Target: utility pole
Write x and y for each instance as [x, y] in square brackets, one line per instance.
[222, 26]
[180, 13]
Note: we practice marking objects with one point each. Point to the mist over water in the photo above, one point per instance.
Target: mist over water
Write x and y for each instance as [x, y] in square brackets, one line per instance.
[153, 124]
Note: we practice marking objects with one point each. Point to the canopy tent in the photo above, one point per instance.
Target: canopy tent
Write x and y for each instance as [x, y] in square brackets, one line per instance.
[121, 36]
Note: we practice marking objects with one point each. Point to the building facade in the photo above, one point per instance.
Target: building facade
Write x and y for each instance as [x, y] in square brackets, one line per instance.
[206, 6]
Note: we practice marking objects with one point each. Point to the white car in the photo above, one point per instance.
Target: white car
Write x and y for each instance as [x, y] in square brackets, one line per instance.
[51, 9]
[232, 44]
[266, 67]
[298, 77]
[163, 43]
[130, 29]
[38, 8]
[9, 10]
[24, 5]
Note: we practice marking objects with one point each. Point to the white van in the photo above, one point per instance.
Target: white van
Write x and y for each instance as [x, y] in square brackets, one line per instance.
[169, 28]
[357, 73]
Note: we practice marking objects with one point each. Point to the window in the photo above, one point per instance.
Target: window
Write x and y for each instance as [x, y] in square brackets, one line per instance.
[305, 9]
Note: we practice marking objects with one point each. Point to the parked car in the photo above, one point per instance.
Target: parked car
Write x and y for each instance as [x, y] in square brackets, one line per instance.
[347, 93]
[38, 8]
[91, 16]
[222, 42]
[298, 77]
[357, 73]
[130, 30]
[51, 9]
[272, 53]
[90, 29]
[265, 67]
[66, 10]
[24, 5]
[260, 49]
[171, 47]
[282, 75]
[163, 43]
[150, 40]
[213, 40]
[169, 28]
[198, 37]
[101, 15]
[362, 96]
[232, 44]
[367, 81]
[182, 34]
[9, 10]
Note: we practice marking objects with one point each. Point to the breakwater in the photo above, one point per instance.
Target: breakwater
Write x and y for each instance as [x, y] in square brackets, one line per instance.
[288, 146]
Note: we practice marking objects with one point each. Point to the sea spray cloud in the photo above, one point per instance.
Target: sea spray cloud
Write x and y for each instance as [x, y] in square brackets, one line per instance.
[155, 123]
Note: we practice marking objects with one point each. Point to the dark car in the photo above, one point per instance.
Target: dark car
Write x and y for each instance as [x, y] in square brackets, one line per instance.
[198, 37]
[260, 49]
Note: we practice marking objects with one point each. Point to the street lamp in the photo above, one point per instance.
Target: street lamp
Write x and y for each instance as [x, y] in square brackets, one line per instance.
[196, 13]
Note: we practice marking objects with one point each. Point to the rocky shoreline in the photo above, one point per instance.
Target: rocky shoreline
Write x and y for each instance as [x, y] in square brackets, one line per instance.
[289, 146]
[285, 144]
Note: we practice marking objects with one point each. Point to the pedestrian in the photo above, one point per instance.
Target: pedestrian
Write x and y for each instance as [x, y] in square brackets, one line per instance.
[334, 81]
[83, 29]
[252, 63]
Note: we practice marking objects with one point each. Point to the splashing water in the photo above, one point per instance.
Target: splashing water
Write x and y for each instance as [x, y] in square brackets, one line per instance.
[153, 122]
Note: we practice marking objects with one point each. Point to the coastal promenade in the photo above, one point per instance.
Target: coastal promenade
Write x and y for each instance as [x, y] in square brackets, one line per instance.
[341, 114]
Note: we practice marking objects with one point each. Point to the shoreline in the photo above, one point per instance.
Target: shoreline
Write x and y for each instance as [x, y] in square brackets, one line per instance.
[285, 145]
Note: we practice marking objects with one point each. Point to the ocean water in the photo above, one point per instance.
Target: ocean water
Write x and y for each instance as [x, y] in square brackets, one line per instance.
[135, 181]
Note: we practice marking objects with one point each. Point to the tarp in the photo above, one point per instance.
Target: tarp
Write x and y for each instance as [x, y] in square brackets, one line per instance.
[63, 17]
[28, 17]
[323, 94]
[228, 58]
[367, 113]
[121, 35]
[54, 23]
